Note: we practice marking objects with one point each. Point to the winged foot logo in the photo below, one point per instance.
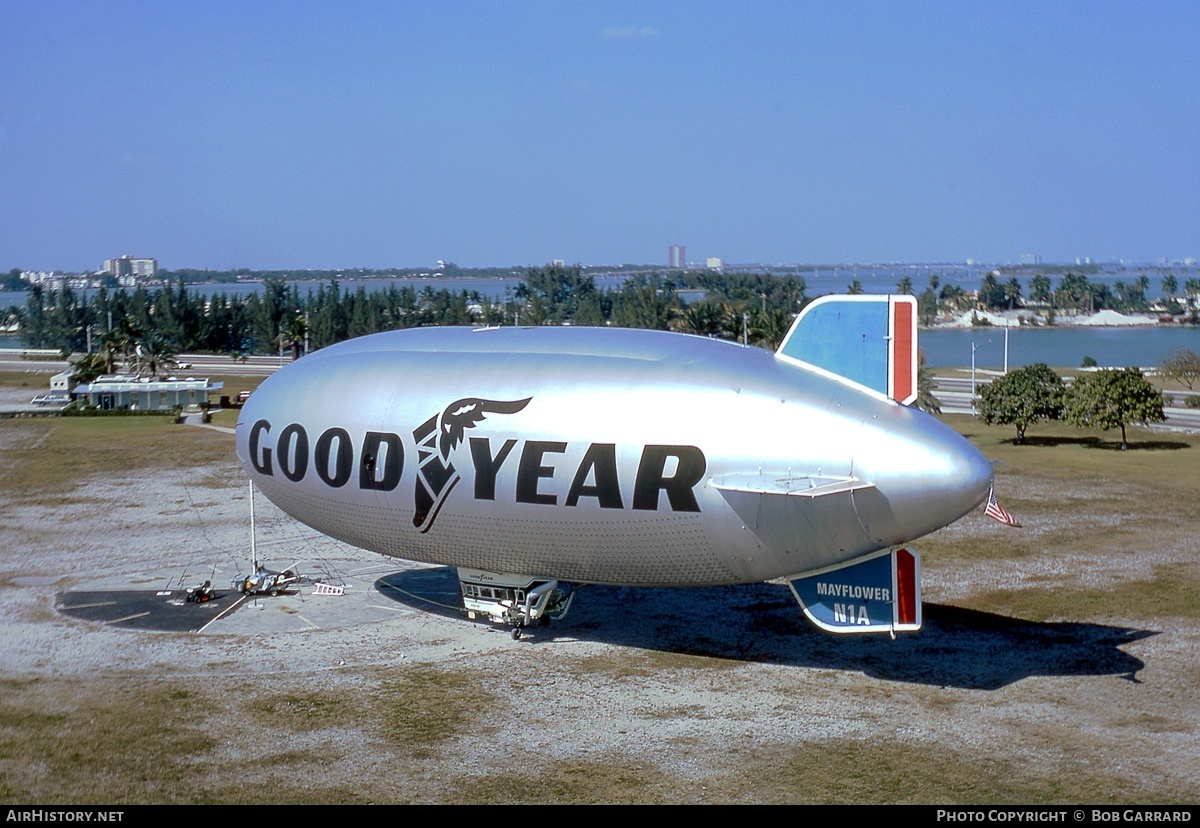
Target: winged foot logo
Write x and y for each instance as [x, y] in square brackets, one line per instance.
[435, 438]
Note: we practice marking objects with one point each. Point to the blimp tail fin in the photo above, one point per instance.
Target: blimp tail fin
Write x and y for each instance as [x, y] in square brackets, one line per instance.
[870, 340]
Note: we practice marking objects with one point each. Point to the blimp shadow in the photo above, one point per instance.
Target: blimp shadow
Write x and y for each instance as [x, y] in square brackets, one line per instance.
[762, 623]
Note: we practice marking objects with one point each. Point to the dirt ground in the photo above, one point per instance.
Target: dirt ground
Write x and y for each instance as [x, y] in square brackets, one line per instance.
[720, 695]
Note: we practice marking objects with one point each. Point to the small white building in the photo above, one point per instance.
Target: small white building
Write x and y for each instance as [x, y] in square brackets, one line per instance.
[146, 393]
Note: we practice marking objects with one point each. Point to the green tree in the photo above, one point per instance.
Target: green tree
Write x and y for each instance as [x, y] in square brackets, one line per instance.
[151, 353]
[269, 310]
[1170, 286]
[1012, 293]
[1099, 297]
[927, 306]
[1073, 292]
[991, 293]
[113, 347]
[1039, 289]
[293, 335]
[12, 281]
[1122, 291]
[1022, 397]
[1132, 295]
[87, 368]
[704, 319]
[643, 303]
[559, 290]
[927, 303]
[534, 312]
[590, 312]
[926, 400]
[768, 328]
[954, 296]
[1113, 398]
[1191, 291]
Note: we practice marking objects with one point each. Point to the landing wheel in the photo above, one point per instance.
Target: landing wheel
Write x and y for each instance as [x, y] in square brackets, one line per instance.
[516, 633]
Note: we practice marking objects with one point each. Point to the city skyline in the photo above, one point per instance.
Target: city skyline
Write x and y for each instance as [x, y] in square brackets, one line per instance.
[304, 136]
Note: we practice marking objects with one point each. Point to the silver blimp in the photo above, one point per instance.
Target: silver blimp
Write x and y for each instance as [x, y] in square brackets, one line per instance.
[538, 459]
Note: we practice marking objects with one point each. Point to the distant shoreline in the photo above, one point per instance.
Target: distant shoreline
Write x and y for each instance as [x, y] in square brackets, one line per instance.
[1031, 319]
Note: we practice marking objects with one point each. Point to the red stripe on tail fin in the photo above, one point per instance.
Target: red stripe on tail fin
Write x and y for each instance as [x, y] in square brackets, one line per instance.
[906, 587]
[904, 343]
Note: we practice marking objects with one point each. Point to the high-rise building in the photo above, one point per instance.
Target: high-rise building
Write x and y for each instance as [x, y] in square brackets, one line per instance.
[675, 257]
[128, 266]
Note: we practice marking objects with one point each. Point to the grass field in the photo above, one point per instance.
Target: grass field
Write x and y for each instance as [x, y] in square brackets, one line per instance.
[1078, 495]
[53, 457]
[169, 742]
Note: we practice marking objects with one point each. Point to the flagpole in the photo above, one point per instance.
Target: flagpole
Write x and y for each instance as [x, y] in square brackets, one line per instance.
[253, 550]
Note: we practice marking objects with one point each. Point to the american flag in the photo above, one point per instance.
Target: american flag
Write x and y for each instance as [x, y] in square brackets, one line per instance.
[997, 512]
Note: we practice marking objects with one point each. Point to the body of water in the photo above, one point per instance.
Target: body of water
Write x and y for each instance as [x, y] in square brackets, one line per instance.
[1142, 346]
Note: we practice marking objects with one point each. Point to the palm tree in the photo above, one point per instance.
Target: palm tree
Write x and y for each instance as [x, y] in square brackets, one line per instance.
[151, 353]
[926, 401]
[770, 327]
[1073, 292]
[703, 319]
[294, 334]
[954, 295]
[88, 368]
[1191, 289]
[113, 347]
[1039, 289]
[1012, 293]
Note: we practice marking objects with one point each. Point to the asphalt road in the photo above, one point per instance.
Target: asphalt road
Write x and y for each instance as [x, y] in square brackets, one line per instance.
[198, 364]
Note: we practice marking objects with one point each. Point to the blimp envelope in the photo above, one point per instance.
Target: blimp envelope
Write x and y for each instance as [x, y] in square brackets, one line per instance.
[870, 340]
[878, 593]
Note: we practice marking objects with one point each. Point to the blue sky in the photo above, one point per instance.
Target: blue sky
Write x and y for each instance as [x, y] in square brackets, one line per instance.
[377, 134]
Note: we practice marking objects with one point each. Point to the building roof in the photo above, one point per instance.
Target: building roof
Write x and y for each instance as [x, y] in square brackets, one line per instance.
[116, 383]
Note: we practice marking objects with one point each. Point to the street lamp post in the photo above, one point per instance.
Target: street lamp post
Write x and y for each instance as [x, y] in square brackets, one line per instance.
[1006, 347]
[972, 379]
